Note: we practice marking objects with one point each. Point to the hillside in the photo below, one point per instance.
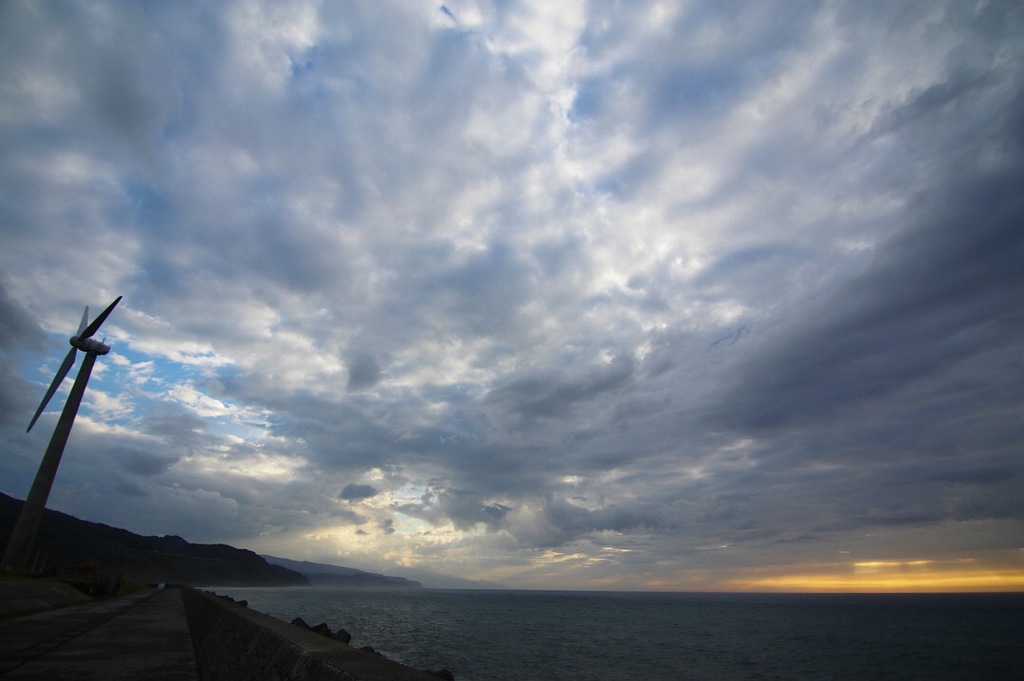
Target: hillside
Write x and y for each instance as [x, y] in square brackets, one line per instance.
[322, 574]
[69, 541]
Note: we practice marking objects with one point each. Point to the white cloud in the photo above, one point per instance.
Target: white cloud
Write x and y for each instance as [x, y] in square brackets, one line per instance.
[587, 285]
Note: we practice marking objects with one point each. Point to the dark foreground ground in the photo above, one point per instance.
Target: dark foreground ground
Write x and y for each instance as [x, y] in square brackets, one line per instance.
[141, 636]
[50, 631]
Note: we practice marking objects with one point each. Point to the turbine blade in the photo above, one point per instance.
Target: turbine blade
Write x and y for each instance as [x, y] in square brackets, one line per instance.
[84, 322]
[61, 373]
[91, 329]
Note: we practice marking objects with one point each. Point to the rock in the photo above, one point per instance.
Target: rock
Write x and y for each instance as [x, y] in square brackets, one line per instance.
[442, 674]
[323, 630]
[370, 649]
[244, 604]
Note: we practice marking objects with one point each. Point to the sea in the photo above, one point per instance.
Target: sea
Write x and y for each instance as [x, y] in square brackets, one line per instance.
[613, 636]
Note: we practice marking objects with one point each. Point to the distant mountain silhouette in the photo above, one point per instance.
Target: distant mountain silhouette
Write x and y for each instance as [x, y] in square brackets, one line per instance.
[67, 541]
[322, 574]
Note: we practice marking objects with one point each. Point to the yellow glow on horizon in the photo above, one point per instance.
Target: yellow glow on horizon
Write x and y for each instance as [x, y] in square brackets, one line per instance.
[997, 571]
[916, 574]
[879, 565]
[929, 580]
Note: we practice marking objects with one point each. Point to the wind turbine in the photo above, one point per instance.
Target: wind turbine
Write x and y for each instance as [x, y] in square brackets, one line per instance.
[20, 545]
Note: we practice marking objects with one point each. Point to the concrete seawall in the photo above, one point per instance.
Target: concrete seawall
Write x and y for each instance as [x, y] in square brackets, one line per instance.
[233, 643]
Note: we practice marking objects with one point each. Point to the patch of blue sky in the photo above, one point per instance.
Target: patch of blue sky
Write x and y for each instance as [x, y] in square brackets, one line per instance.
[40, 369]
[146, 202]
[305, 62]
[306, 79]
[160, 371]
[143, 381]
[251, 431]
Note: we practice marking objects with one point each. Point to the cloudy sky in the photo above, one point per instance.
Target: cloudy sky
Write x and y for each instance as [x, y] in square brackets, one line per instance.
[608, 295]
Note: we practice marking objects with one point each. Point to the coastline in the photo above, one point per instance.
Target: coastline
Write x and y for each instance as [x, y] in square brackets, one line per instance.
[233, 641]
[48, 625]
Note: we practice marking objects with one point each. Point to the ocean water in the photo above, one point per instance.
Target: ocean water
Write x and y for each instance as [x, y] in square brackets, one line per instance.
[612, 636]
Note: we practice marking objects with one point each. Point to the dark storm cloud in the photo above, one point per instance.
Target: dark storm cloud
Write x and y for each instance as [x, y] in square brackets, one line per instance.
[747, 265]
[15, 400]
[465, 508]
[363, 371]
[940, 294]
[19, 336]
[353, 491]
[180, 428]
[142, 463]
[692, 86]
[117, 90]
[551, 394]
[636, 288]
[494, 282]
[475, 293]
[21, 332]
[561, 521]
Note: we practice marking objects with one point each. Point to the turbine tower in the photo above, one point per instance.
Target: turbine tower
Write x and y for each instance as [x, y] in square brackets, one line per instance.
[20, 545]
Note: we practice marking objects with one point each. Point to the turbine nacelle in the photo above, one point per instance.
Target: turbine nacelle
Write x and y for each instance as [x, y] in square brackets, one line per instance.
[89, 345]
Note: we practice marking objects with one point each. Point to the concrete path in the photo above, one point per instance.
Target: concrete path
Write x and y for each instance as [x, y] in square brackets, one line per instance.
[142, 636]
